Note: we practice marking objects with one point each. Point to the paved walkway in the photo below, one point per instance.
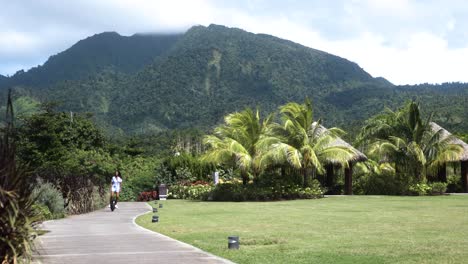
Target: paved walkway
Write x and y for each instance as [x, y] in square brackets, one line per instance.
[113, 237]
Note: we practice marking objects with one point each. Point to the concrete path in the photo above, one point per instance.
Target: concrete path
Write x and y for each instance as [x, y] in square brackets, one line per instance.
[113, 237]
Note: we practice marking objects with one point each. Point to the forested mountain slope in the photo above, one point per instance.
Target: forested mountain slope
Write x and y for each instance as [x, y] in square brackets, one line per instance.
[94, 54]
[194, 79]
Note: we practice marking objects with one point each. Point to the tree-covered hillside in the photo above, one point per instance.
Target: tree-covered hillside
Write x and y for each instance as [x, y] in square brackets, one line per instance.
[209, 72]
[94, 54]
[198, 77]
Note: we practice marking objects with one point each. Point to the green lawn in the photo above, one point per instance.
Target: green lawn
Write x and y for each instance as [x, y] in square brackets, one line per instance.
[354, 229]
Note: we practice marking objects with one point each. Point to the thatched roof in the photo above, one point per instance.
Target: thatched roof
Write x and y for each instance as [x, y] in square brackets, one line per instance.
[357, 157]
[435, 127]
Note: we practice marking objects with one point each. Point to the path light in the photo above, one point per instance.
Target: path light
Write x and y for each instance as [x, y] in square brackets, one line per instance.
[160, 206]
[233, 242]
[155, 219]
[162, 192]
[155, 210]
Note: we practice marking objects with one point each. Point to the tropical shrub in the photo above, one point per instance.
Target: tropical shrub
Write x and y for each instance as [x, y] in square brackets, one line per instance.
[385, 183]
[138, 175]
[17, 214]
[251, 192]
[46, 194]
[420, 189]
[438, 188]
[190, 192]
[42, 211]
[454, 184]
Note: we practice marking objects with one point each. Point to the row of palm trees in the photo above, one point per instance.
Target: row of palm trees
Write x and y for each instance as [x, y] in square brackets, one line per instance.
[254, 145]
[401, 140]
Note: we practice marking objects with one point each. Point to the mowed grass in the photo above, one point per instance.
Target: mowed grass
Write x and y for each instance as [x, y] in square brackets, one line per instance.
[353, 229]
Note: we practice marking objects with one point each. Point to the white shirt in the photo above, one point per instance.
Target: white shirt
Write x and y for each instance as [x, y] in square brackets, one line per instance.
[116, 182]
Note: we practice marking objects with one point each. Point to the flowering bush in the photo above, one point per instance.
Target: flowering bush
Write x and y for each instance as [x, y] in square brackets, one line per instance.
[147, 196]
[192, 192]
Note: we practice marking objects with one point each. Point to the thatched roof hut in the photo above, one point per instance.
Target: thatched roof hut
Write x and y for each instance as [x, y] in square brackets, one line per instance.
[435, 127]
[463, 159]
[348, 171]
[357, 157]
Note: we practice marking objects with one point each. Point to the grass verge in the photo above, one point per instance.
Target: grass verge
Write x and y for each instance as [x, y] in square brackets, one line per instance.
[355, 229]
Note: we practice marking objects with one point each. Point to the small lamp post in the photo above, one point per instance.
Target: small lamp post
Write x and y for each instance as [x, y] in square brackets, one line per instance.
[162, 192]
[233, 242]
[155, 219]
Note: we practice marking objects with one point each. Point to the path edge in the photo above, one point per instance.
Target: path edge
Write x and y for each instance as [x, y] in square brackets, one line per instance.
[178, 241]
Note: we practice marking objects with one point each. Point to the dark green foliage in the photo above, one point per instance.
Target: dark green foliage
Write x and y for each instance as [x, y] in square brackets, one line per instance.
[66, 151]
[438, 188]
[200, 76]
[183, 168]
[102, 51]
[43, 212]
[385, 183]
[138, 175]
[47, 136]
[17, 213]
[237, 192]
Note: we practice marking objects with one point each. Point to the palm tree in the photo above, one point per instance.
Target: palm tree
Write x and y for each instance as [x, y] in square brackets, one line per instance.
[406, 140]
[234, 143]
[302, 143]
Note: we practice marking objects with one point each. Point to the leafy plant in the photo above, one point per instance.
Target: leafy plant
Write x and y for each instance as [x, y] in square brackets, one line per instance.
[46, 194]
[420, 189]
[17, 214]
[438, 188]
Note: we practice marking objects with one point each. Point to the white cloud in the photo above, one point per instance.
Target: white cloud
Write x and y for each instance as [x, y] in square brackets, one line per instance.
[401, 40]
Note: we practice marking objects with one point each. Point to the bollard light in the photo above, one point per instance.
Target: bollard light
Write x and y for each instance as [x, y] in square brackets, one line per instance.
[155, 210]
[233, 242]
[155, 219]
[160, 206]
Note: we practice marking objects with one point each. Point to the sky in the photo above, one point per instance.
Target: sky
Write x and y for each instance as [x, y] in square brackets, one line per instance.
[404, 41]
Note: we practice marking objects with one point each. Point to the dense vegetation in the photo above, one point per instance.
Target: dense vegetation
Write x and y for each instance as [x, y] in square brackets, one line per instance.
[102, 51]
[194, 79]
[17, 213]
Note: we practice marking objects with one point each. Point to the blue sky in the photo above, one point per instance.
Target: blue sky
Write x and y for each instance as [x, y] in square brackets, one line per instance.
[405, 41]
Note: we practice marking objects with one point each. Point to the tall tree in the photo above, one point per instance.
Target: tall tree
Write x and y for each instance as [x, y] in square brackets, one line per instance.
[301, 142]
[234, 142]
[408, 141]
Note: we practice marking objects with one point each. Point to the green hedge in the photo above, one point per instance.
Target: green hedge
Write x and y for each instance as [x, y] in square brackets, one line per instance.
[238, 192]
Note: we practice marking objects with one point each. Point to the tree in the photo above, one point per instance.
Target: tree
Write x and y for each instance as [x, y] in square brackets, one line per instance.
[406, 140]
[66, 150]
[301, 142]
[235, 142]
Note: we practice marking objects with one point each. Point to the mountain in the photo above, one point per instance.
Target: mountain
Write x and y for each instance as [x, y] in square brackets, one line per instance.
[209, 72]
[2, 79]
[196, 78]
[94, 54]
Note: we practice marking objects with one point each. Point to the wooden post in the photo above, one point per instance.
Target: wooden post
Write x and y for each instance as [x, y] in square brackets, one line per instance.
[330, 176]
[348, 189]
[464, 175]
[442, 173]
